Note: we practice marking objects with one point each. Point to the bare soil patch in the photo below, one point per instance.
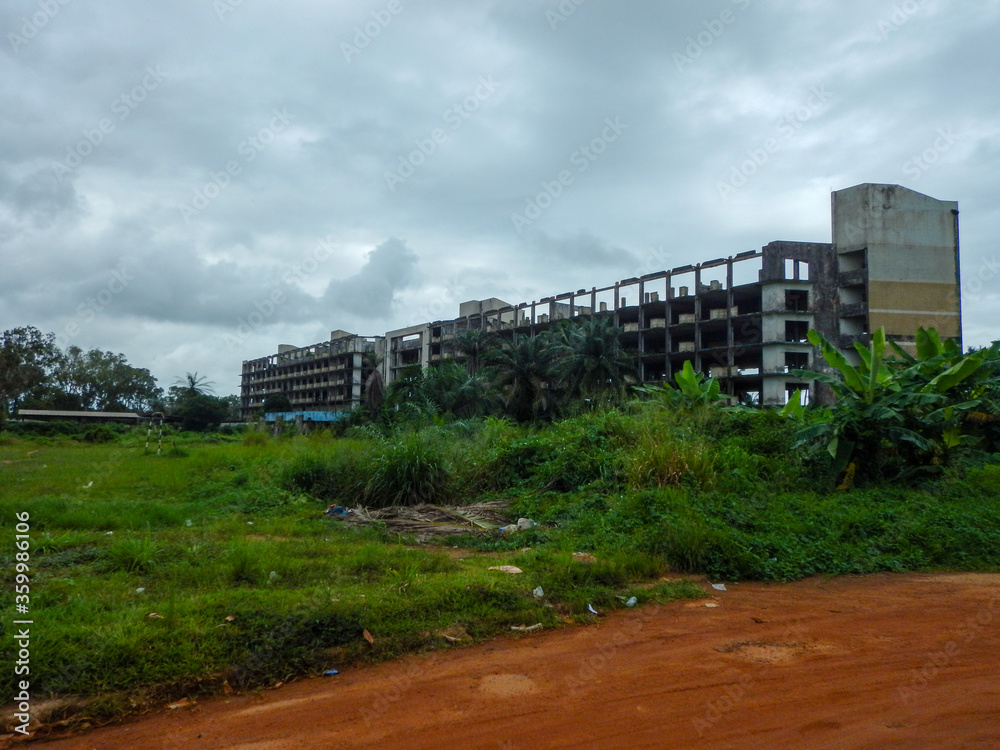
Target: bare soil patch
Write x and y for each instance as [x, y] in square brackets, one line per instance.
[886, 661]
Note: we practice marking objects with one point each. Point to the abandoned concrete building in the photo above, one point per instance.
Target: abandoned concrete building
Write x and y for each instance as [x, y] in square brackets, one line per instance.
[893, 263]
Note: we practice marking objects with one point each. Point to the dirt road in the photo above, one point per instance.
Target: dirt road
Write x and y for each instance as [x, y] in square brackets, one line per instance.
[886, 661]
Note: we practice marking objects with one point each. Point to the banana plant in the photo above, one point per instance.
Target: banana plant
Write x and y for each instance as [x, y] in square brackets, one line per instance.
[693, 388]
[870, 408]
[910, 406]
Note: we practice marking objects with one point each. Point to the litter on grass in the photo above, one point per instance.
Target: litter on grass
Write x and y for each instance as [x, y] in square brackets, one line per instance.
[719, 586]
[330, 672]
[512, 569]
[523, 524]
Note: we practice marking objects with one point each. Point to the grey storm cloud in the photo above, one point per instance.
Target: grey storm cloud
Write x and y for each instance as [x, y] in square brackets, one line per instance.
[146, 134]
[388, 269]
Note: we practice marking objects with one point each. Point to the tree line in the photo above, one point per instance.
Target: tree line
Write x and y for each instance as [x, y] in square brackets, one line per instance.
[36, 374]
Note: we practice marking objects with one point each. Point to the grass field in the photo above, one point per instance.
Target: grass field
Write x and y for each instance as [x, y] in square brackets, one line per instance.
[224, 541]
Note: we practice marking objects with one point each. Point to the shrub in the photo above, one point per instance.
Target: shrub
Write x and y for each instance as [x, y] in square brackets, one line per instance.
[409, 471]
[340, 475]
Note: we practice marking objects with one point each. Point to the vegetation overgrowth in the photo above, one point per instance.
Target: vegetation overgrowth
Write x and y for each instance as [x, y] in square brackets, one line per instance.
[211, 565]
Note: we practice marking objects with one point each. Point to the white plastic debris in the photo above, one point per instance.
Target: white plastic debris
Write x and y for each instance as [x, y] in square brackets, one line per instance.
[513, 570]
[719, 586]
[528, 628]
[539, 592]
[631, 601]
[590, 608]
[140, 589]
[189, 522]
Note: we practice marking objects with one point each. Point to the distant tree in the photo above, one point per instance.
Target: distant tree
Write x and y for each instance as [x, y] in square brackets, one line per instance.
[201, 412]
[276, 402]
[103, 381]
[456, 391]
[193, 384]
[594, 364]
[27, 358]
[524, 373]
[234, 408]
[472, 344]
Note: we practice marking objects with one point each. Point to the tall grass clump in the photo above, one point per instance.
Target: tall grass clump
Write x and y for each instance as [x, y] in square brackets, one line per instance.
[133, 554]
[408, 471]
[339, 474]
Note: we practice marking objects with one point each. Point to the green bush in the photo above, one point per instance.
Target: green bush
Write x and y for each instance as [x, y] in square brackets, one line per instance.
[408, 471]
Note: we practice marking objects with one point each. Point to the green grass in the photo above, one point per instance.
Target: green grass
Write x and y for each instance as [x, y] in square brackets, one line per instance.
[224, 541]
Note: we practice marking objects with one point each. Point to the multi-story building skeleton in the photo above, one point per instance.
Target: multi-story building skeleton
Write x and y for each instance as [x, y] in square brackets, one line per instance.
[893, 263]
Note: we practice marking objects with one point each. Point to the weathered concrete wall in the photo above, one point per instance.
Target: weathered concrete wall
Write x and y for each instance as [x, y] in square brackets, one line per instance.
[912, 256]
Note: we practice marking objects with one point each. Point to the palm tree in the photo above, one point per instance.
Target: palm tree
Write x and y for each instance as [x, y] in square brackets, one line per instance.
[595, 364]
[472, 344]
[523, 372]
[194, 385]
[456, 391]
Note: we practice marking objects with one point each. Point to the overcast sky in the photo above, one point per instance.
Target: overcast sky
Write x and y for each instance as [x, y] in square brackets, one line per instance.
[193, 182]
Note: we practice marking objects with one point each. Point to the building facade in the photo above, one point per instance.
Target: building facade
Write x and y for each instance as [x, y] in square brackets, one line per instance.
[327, 377]
[893, 262]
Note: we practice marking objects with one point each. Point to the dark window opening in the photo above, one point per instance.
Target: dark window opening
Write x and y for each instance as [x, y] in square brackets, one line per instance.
[797, 299]
[796, 360]
[796, 330]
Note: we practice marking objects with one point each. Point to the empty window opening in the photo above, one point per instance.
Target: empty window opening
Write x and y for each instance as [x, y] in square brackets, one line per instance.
[796, 330]
[797, 299]
[802, 388]
[796, 361]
